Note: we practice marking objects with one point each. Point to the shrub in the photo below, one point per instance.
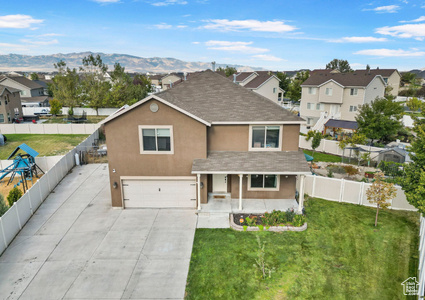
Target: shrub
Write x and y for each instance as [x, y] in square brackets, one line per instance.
[290, 213]
[391, 168]
[251, 221]
[330, 173]
[14, 195]
[299, 220]
[3, 206]
[70, 111]
[350, 170]
[55, 107]
[274, 218]
[336, 169]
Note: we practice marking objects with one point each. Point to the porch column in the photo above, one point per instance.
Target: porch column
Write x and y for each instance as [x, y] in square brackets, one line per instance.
[301, 196]
[240, 191]
[199, 190]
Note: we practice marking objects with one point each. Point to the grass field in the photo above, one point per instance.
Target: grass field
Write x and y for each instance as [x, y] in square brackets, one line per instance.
[340, 256]
[44, 144]
[62, 119]
[318, 156]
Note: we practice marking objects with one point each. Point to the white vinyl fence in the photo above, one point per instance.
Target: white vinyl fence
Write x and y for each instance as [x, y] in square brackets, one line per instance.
[44, 162]
[29, 111]
[348, 191]
[16, 217]
[48, 128]
[331, 147]
[421, 292]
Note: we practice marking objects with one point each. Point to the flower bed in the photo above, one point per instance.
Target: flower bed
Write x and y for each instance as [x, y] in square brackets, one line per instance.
[274, 221]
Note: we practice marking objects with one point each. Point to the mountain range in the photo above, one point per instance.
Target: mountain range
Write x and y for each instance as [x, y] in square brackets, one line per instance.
[44, 63]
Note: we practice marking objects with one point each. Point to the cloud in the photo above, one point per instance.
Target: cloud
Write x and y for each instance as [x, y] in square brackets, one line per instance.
[267, 57]
[390, 53]
[384, 9]
[163, 26]
[169, 2]
[106, 1]
[181, 26]
[40, 43]
[420, 19]
[359, 39]
[195, 43]
[416, 31]
[18, 21]
[234, 47]
[49, 34]
[251, 25]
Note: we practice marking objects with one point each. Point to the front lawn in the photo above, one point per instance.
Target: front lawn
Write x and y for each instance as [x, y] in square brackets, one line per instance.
[319, 156]
[44, 144]
[340, 256]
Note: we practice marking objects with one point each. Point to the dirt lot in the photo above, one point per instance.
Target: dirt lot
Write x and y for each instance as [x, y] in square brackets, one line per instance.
[5, 189]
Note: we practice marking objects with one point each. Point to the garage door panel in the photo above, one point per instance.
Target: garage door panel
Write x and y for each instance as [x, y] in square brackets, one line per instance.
[159, 193]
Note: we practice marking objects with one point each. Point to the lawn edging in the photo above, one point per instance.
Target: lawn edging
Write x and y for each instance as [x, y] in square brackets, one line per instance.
[234, 226]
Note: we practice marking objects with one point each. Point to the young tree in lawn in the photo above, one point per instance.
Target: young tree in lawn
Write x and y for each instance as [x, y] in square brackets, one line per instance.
[380, 193]
[339, 64]
[55, 107]
[316, 137]
[66, 85]
[294, 89]
[380, 120]
[95, 87]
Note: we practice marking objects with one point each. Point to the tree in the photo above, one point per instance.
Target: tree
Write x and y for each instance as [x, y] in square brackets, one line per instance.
[95, 88]
[380, 120]
[66, 85]
[285, 81]
[380, 193]
[367, 67]
[229, 71]
[3, 206]
[55, 107]
[14, 195]
[34, 76]
[339, 64]
[413, 183]
[294, 89]
[316, 137]
[414, 104]
[409, 78]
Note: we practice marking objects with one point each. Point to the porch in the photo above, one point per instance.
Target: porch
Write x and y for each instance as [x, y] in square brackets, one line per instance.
[225, 204]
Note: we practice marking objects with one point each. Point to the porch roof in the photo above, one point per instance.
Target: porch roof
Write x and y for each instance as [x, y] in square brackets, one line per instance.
[252, 162]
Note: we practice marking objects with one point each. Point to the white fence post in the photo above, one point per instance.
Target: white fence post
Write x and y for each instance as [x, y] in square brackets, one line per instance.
[17, 214]
[341, 193]
[4, 235]
[313, 188]
[361, 193]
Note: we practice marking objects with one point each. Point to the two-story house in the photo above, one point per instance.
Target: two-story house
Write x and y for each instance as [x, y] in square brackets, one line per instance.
[391, 77]
[10, 105]
[31, 91]
[330, 95]
[204, 136]
[164, 82]
[264, 83]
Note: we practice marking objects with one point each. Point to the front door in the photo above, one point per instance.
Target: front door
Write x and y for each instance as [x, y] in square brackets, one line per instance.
[219, 183]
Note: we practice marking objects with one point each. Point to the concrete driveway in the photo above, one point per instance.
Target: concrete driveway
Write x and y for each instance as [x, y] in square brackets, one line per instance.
[77, 247]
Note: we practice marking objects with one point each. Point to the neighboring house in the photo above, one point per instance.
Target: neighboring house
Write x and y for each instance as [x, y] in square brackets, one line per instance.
[328, 95]
[30, 91]
[164, 82]
[204, 136]
[391, 77]
[10, 105]
[264, 83]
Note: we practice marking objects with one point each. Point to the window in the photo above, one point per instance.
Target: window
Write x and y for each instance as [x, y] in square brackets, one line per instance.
[312, 90]
[310, 106]
[353, 92]
[320, 106]
[265, 137]
[328, 91]
[274, 90]
[386, 80]
[353, 108]
[23, 93]
[156, 139]
[16, 111]
[309, 121]
[1, 118]
[263, 182]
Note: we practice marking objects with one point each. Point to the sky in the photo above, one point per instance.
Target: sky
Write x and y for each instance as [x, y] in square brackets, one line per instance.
[276, 35]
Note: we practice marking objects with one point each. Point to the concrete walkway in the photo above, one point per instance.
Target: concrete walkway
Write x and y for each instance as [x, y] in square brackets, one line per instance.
[77, 247]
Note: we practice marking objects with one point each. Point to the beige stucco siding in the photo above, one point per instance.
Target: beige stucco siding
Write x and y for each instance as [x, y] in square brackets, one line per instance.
[394, 82]
[351, 100]
[376, 88]
[286, 189]
[337, 93]
[13, 101]
[270, 90]
[122, 135]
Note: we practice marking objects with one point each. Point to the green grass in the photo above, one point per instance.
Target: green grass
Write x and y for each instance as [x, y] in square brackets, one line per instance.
[340, 256]
[44, 144]
[62, 120]
[318, 156]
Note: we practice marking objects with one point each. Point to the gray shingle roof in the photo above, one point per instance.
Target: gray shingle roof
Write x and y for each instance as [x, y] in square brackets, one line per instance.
[341, 124]
[34, 99]
[252, 162]
[242, 76]
[346, 79]
[259, 80]
[213, 98]
[26, 82]
[10, 89]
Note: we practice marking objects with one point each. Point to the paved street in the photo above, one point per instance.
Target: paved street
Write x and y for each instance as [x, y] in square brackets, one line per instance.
[77, 247]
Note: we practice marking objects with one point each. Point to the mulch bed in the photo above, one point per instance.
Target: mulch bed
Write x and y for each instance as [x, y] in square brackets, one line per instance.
[237, 217]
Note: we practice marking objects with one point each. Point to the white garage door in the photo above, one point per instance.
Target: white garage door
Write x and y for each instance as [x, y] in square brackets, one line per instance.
[159, 193]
